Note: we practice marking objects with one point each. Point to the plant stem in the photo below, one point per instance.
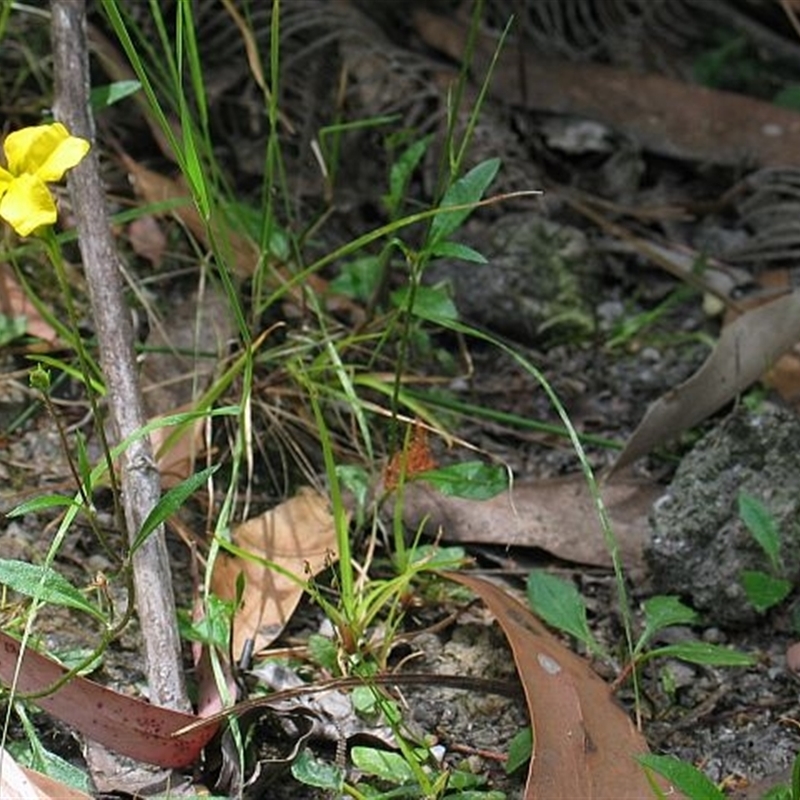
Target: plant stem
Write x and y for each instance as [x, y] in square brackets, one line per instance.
[139, 477]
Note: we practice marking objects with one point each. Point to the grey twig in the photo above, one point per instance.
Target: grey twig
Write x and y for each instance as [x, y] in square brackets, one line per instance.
[139, 478]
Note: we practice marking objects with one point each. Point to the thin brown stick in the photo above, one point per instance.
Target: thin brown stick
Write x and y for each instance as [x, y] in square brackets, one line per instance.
[139, 477]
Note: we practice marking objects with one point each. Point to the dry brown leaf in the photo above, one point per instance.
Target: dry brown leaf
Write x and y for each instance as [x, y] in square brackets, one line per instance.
[298, 536]
[585, 745]
[668, 117]
[747, 349]
[147, 239]
[156, 188]
[14, 303]
[556, 515]
[125, 724]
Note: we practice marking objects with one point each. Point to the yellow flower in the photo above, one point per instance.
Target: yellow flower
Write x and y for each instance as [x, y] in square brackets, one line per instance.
[35, 156]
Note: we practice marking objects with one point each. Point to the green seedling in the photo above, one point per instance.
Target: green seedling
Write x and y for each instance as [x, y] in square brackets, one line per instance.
[763, 589]
[559, 604]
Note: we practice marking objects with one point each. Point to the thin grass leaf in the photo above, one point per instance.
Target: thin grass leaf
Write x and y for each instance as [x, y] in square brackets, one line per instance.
[45, 584]
[171, 502]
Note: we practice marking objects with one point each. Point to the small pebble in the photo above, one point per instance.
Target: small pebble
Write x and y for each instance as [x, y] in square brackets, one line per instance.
[793, 657]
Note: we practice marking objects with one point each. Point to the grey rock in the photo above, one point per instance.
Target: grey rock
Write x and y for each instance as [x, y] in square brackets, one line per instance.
[699, 546]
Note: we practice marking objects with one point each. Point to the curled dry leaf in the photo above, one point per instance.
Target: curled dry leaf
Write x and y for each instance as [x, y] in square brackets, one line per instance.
[556, 515]
[585, 745]
[124, 724]
[747, 348]
[297, 539]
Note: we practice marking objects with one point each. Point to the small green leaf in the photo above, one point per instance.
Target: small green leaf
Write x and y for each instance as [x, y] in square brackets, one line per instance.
[433, 557]
[520, 749]
[214, 628]
[171, 502]
[382, 764]
[365, 703]
[104, 96]
[358, 279]
[471, 479]
[661, 612]
[45, 584]
[323, 651]
[466, 190]
[763, 590]
[323, 775]
[761, 524]
[430, 302]
[687, 778]
[702, 653]
[560, 604]
[401, 172]
[457, 250]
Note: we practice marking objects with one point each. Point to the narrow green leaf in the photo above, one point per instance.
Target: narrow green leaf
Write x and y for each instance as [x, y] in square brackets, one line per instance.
[760, 522]
[44, 583]
[401, 172]
[466, 190]
[171, 502]
[763, 590]
[560, 604]
[702, 653]
[84, 466]
[686, 777]
[430, 302]
[382, 764]
[41, 504]
[661, 612]
[457, 250]
[471, 479]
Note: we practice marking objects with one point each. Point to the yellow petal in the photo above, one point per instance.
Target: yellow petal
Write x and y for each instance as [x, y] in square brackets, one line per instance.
[68, 153]
[44, 150]
[27, 205]
[6, 179]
